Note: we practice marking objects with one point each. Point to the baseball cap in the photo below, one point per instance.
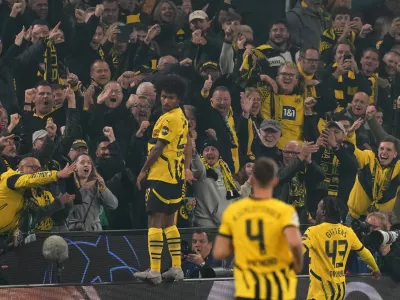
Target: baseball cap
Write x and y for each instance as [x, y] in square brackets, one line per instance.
[198, 14]
[39, 134]
[270, 124]
[209, 64]
[336, 124]
[79, 144]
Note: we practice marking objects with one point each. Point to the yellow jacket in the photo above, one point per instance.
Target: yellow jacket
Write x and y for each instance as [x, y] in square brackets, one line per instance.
[12, 188]
[375, 186]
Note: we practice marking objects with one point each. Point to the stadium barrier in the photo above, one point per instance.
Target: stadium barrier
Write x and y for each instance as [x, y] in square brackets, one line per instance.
[358, 288]
[108, 256]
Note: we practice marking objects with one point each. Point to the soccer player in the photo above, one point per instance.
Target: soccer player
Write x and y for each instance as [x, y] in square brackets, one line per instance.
[263, 234]
[329, 245]
[165, 171]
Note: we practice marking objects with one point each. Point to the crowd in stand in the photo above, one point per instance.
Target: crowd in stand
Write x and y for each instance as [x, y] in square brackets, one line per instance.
[312, 84]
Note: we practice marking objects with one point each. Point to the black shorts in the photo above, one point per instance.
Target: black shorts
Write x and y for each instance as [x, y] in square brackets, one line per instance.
[162, 197]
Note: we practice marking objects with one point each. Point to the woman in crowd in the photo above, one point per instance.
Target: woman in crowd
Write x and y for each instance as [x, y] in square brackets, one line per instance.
[171, 21]
[85, 216]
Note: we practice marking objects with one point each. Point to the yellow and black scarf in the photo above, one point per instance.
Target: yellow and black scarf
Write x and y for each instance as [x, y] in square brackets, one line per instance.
[229, 182]
[50, 72]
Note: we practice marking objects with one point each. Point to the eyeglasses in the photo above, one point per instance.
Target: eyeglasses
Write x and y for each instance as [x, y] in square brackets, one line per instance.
[116, 92]
[288, 75]
[310, 60]
[291, 153]
[141, 107]
[33, 167]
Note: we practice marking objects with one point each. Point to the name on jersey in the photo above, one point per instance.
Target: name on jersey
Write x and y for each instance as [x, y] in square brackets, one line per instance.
[262, 263]
[252, 210]
[336, 274]
[335, 231]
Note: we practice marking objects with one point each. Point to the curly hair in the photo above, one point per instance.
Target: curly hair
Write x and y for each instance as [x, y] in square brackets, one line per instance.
[332, 209]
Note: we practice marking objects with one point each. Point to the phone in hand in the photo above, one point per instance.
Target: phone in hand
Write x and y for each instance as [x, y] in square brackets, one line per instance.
[125, 32]
[347, 57]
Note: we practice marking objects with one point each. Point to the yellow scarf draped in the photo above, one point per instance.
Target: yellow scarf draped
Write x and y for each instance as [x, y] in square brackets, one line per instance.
[229, 182]
[309, 90]
[50, 60]
[234, 151]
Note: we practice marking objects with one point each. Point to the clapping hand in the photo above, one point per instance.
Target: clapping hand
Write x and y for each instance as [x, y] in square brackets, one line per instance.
[307, 149]
[246, 103]
[66, 172]
[65, 198]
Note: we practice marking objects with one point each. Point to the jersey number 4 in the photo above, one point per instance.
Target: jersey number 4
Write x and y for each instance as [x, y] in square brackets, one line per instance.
[258, 235]
[336, 250]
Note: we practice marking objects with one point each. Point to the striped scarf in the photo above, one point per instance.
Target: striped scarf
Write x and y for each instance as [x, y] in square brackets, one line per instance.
[51, 73]
[229, 182]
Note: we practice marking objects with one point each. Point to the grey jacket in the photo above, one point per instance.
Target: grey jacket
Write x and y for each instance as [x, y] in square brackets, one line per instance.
[226, 60]
[306, 26]
[210, 195]
[78, 213]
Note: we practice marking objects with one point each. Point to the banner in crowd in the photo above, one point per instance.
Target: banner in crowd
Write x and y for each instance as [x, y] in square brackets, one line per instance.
[357, 288]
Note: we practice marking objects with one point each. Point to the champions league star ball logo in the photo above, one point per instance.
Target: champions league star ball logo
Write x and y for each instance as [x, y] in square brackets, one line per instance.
[101, 261]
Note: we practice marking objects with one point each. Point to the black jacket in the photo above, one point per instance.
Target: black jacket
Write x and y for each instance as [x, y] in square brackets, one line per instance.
[121, 183]
[312, 174]
[7, 93]
[210, 118]
[200, 54]
[347, 169]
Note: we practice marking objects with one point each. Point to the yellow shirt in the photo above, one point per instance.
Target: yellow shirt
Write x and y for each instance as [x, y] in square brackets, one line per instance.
[329, 247]
[289, 111]
[12, 188]
[262, 255]
[172, 129]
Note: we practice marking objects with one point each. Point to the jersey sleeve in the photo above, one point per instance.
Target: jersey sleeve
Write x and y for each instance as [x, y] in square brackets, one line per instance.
[290, 218]
[225, 229]
[21, 181]
[168, 130]
[356, 245]
[307, 240]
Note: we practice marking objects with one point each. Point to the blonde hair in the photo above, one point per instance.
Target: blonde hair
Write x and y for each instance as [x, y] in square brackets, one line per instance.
[250, 90]
[93, 174]
[385, 225]
[289, 64]
[157, 11]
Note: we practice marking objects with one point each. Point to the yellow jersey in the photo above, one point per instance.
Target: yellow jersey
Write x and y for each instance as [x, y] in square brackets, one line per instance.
[289, 111]
[329, 247]
[12, 188]
[172, 129]
[263, 260]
